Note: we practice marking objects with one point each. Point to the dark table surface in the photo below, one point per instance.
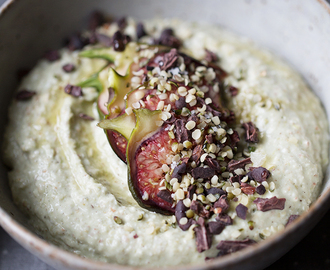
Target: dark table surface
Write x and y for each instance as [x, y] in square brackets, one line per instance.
[312, 253]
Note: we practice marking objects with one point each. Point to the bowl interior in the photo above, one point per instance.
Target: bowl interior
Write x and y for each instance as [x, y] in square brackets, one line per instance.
[302, 41]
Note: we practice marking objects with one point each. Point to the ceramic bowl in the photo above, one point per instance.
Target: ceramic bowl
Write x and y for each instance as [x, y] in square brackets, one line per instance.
[298, 31]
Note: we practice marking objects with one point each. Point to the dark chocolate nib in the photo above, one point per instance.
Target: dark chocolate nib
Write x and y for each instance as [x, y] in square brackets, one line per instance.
[258, 174]
[73, 90]
[251, 132]
[140, 32]
[291, 219]
[203, 236]
[227, 247]
[25, 95]
[52, 55]
[269, 204]
[180, 212]
[86, 117]
[241, 211]
[69, 68]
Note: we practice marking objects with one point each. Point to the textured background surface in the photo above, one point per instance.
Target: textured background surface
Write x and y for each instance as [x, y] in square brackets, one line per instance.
[311, 253]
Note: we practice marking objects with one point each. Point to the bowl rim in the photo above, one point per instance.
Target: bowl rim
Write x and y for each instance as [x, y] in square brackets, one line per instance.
[41, 248]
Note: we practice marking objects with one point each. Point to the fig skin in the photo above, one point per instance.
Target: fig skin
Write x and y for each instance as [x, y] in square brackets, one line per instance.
[143, 135]
[119, 84]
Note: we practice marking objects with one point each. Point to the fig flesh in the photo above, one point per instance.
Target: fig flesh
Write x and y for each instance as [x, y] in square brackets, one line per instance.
[158, 83]
[147, 151]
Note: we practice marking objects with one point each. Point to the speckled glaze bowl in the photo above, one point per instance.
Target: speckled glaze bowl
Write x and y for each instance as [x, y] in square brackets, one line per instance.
[298, 31]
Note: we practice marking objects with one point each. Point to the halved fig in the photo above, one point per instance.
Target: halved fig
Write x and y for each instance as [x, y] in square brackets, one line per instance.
[149, 146]
[119, 86]
[123, 124]
[147, 151]
[111, 102]
[160, 77]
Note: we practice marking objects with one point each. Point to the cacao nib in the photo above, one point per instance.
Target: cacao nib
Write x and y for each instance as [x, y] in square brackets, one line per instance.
[197, 153]
[191, 191]
[86, 117]
[180, 212]
[236, 178]
[180, 103]
[227, 247]
[270, 204]
[258, 174]
[193, 118]
[233, 91]
[95, 19]
[215, 227]
[105, 40]
[203, 236]
[69, 68]
[165, 195]
[248, 189]
[205, 213]
[181, 134]
[196, 206]
[238, 164]
[241, 211]
[261, 189]
[214, 190]
[222, 203]
[127, 39]
[178, 170]
[76, 42]
[169, 59]
[251, 132]
[210, 56]
[209, 138]
[167, 38]
[201, 172]
[225, 219]
[140, 32]
[52, 55]
[224, 115]
[199, 209]
[234, 139]
[73, 90]
[213, 164]
[172, 119]
[25, 95]
[118, 42]
[122, 23]
[291, 219]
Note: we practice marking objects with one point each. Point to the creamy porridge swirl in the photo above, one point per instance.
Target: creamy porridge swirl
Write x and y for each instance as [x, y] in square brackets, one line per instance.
[73, 187]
